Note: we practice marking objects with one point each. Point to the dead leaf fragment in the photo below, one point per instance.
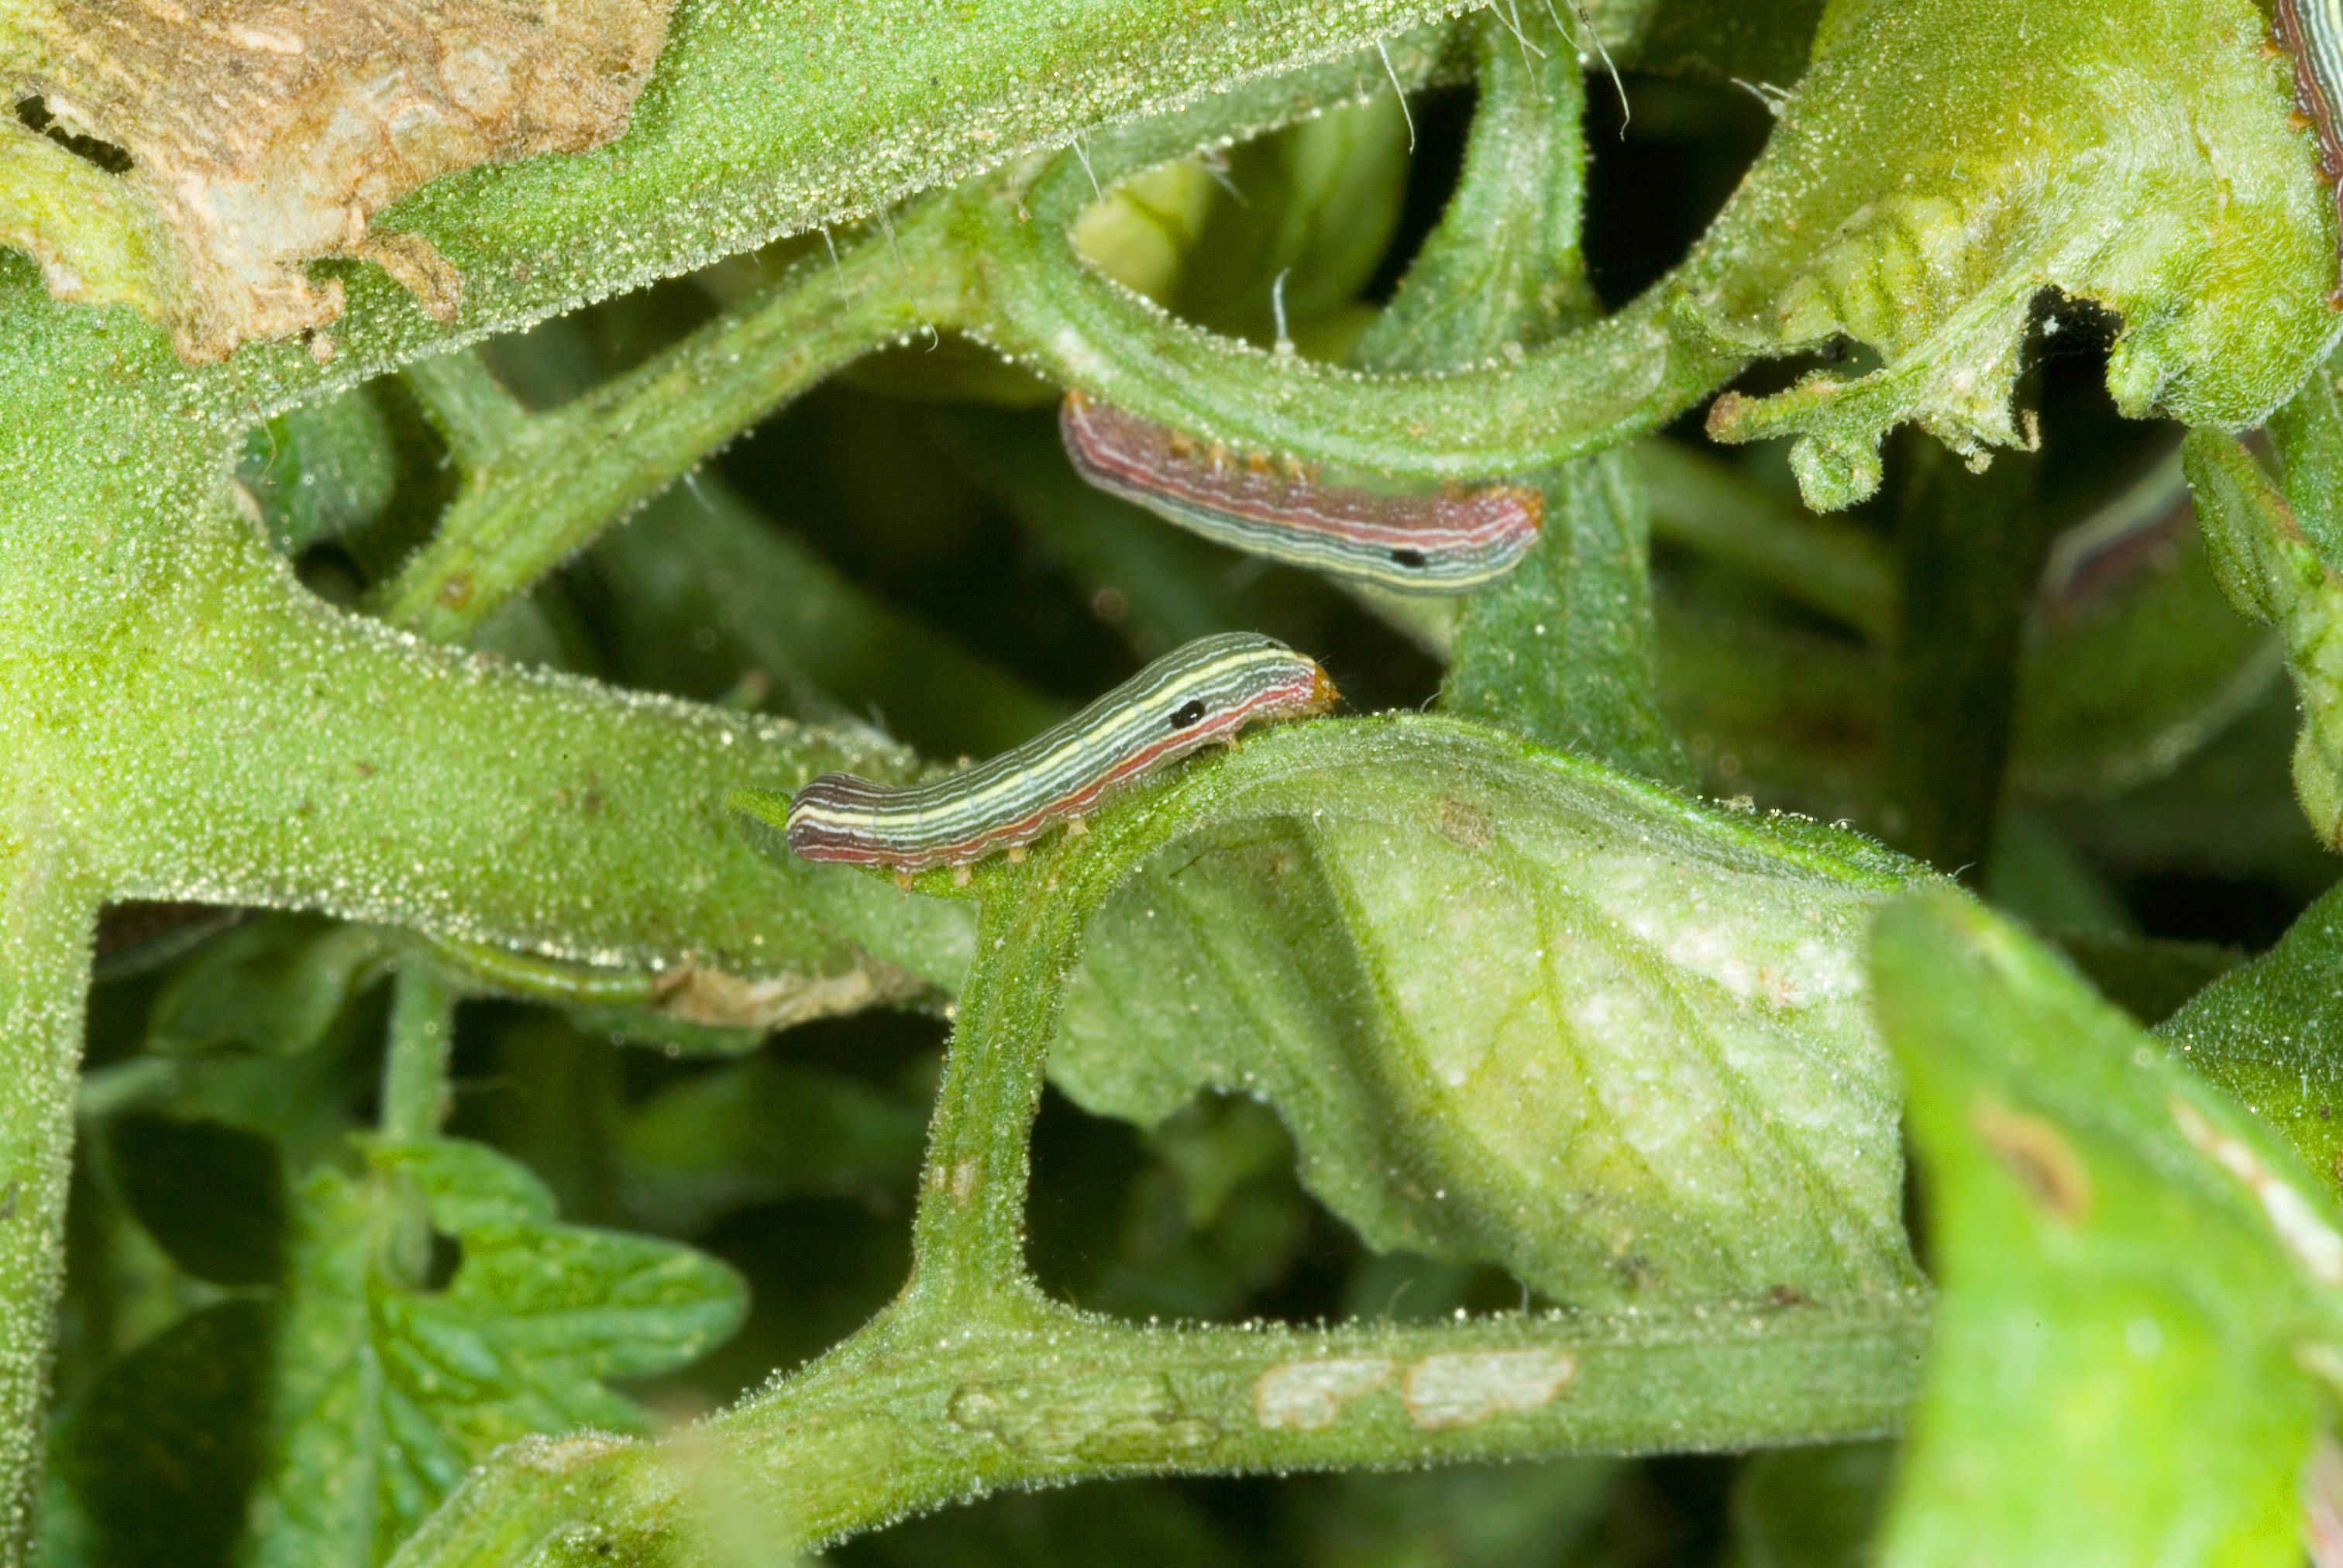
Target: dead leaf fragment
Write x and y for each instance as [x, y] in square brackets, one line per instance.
[711, 996]
[266, 133]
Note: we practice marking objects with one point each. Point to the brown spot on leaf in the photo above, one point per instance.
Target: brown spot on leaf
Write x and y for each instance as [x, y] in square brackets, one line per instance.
[2039, 1156]
[1462, 822]
[265, 133]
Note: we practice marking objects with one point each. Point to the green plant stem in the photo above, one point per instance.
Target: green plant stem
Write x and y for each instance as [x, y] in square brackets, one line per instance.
[1834, 566]
[414, 1104]
[469, 408]
[2267, 549]
[890, 1424]
[967, 1239]
[540, 486]
[415, 1064]
[492, 970]
[47, 914]
[382, 779]
[971, 1382]
[1084, 1397]
[1581, 392]
[1972, 548]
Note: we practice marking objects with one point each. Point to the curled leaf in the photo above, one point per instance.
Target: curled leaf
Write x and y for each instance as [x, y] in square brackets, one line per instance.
[1519, 1008]
[1945, 162]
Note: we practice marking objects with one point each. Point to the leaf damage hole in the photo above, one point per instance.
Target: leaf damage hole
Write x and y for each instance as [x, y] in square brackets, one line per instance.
[34, 114]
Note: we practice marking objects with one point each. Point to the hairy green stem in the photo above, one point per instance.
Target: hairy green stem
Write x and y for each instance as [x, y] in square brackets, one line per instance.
[900, 1421]
[376, 778]
[478, 419]
[2269, 565]
[1581, 392]
[539, 487]
[967, 1239]
[971, 1382]
[415, 1064]
[48, 911]
[421, 1034]
[1072, 1397]
[1562, 649]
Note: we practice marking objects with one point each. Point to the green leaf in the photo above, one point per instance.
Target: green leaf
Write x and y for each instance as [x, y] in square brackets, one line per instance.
[273, 986]
[2132, 1269]
[382, 1396]
[2271, 1034]
[322, 470]
[1986, 173]
[1564, 650]
[212, 1195]
[1809, 1507]
[1518, 1008]
[161, 1452]
[1314, 205]
[756, 1131]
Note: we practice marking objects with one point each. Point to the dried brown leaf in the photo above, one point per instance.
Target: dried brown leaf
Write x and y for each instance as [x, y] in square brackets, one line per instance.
[266, 133]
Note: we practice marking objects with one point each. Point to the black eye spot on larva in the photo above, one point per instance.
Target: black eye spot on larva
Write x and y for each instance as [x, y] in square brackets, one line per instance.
[1410, 559]
[1189, 713]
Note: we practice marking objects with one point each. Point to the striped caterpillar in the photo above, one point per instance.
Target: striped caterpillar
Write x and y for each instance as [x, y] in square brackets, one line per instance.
[2311, 32]
[1450, 543]
[1203, 692]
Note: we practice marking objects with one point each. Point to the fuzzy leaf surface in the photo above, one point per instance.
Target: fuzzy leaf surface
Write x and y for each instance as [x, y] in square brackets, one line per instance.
[1520, 1009]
